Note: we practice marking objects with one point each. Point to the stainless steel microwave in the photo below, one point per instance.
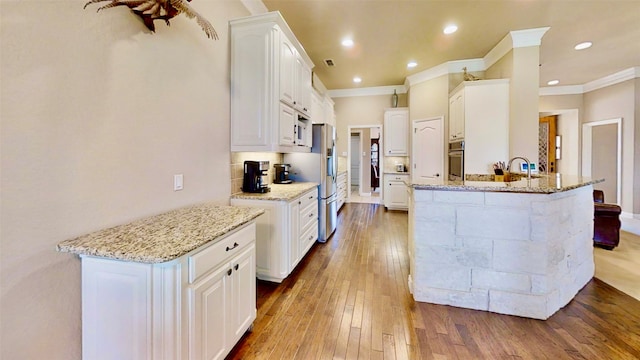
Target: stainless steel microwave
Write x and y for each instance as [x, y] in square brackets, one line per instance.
[456, 161]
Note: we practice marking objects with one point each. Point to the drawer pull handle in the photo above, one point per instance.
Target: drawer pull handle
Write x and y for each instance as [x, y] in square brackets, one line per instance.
[311, 237]
[311, 215]
[229, 272]
[236, 267]
[235, 245]
[310, 197]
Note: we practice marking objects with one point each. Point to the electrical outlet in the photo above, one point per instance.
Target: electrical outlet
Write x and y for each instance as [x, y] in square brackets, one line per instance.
[177, 182]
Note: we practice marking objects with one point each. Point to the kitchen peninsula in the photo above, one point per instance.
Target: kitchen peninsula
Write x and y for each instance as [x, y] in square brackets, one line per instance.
[178, 285]
[521, 248]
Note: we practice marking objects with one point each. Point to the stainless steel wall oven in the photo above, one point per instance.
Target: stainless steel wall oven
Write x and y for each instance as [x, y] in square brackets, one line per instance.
[456, 160]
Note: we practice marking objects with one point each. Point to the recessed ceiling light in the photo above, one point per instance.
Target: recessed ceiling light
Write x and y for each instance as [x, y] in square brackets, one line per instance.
[450, 29]
[347, 43]
[412, 64]
[357, 80]
[583, 45]
[553, 82]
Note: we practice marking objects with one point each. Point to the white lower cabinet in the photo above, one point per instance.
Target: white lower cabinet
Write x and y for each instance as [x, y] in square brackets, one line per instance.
[194, 307]
[342, 189]
[285, 233]
[396, 196]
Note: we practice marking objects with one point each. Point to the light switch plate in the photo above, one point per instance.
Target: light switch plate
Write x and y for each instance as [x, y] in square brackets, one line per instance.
[177, 182]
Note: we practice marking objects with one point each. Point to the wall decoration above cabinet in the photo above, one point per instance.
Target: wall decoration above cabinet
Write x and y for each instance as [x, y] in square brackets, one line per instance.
[151, 10]
[271, 92]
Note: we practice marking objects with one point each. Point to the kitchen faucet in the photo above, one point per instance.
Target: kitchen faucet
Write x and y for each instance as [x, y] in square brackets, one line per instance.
[528, 166]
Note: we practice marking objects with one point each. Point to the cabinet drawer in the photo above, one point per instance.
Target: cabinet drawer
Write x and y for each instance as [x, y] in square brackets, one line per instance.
[309, 235]
[309, 198]
[211, 257]
[308, 215]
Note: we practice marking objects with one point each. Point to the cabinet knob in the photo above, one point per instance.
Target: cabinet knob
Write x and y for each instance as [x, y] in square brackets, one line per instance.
[437, 175]
[311, 215]
[229, 272]
[236, 267]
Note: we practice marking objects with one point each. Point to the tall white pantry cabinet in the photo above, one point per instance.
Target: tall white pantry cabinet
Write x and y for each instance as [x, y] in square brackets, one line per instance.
[479, 115]
[271, 90]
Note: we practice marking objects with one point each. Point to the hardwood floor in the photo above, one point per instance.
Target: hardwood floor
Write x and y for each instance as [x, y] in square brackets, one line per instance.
[349, 299]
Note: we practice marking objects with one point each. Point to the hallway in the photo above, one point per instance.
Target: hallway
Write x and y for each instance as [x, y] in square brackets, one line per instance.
[356, 198]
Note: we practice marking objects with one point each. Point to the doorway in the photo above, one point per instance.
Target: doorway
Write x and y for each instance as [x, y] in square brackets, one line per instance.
[365, 146]
[602, 156]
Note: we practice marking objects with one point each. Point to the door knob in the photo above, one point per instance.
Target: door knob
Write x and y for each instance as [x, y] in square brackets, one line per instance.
[437, 175]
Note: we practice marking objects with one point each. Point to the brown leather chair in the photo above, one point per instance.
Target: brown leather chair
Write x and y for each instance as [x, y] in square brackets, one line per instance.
[606, 222]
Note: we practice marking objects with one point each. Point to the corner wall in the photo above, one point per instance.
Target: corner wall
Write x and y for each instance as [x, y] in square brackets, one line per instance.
[97, 115]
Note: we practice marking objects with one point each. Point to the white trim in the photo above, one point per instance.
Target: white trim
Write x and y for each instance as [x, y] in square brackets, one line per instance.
[528, 37]
[561, 90]
[355, 128]
[368, 91]
[450, 67]
[587, 150]
[255, 7]
[630, 222]
[613, 79]
[515, 39]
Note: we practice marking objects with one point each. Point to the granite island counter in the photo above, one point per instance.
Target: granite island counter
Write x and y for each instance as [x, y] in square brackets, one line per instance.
[521, 248]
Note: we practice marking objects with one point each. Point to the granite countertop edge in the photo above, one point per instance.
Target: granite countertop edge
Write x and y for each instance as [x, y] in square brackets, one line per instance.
[279, 192]
[163, 237]
[545, 184]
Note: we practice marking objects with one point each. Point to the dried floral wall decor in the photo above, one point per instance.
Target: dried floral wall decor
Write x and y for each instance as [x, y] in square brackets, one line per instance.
[151, 10]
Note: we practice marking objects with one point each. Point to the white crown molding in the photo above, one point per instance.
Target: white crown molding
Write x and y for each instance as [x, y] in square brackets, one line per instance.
[528, 37]
[450, 67]
[561, 90]
[515, 39]
[620, 76]
[255, 7]
[368, 91]
[624, 75]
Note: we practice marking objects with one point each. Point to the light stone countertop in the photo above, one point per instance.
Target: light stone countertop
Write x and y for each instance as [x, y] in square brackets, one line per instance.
[279, 192]
[541, 184]
[162, 237]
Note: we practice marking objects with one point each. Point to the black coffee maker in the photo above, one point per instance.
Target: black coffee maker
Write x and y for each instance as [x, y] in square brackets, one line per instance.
[256, 179]
[282, 174]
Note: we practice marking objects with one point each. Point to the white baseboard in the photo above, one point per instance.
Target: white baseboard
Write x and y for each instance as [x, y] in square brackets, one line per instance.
[630, 223]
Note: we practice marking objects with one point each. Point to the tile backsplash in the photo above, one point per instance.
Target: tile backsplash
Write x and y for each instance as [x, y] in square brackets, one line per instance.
[237, 166]
[391, 161]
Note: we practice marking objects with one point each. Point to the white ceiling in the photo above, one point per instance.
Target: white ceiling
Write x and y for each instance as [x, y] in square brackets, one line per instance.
[390, 33]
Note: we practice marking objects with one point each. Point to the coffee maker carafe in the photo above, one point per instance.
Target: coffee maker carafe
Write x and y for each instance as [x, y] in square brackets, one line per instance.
[256, 179]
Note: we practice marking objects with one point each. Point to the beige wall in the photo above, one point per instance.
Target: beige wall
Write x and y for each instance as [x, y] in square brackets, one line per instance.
[521, 66]
[620, 101]
[360, 110]
[97, 116]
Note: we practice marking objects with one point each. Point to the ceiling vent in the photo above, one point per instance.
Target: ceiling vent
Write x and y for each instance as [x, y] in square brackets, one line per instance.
[329, 62]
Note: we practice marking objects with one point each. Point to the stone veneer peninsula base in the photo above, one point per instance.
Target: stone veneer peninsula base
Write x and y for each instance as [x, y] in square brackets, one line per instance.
[503, 250]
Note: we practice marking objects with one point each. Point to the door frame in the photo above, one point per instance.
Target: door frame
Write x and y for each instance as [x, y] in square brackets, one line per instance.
[587, 131]
[443, 169]
[354, 128]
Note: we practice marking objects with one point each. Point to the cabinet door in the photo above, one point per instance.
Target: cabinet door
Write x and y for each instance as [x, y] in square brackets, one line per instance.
[243, 284]
[302, 99]
[209, 303]
[456, 116]
[287, 125]
[396, 133]
[294, 234]
[317, 108]
[287, 70]
[397, 193]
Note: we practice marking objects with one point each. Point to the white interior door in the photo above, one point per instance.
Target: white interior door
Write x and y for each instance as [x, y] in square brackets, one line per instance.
[427, 152]
[602, 156]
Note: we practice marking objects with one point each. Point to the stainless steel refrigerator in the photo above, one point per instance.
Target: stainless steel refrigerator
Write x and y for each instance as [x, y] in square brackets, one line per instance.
[320, 166]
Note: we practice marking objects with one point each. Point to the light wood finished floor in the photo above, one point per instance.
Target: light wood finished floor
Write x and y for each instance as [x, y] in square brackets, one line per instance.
[348, 299]
[620, 267]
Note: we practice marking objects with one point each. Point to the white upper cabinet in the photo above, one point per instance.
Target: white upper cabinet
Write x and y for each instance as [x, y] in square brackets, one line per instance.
[396, 132]
[317, 108]
[269, 70]
[479, 115]
[456, 116]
